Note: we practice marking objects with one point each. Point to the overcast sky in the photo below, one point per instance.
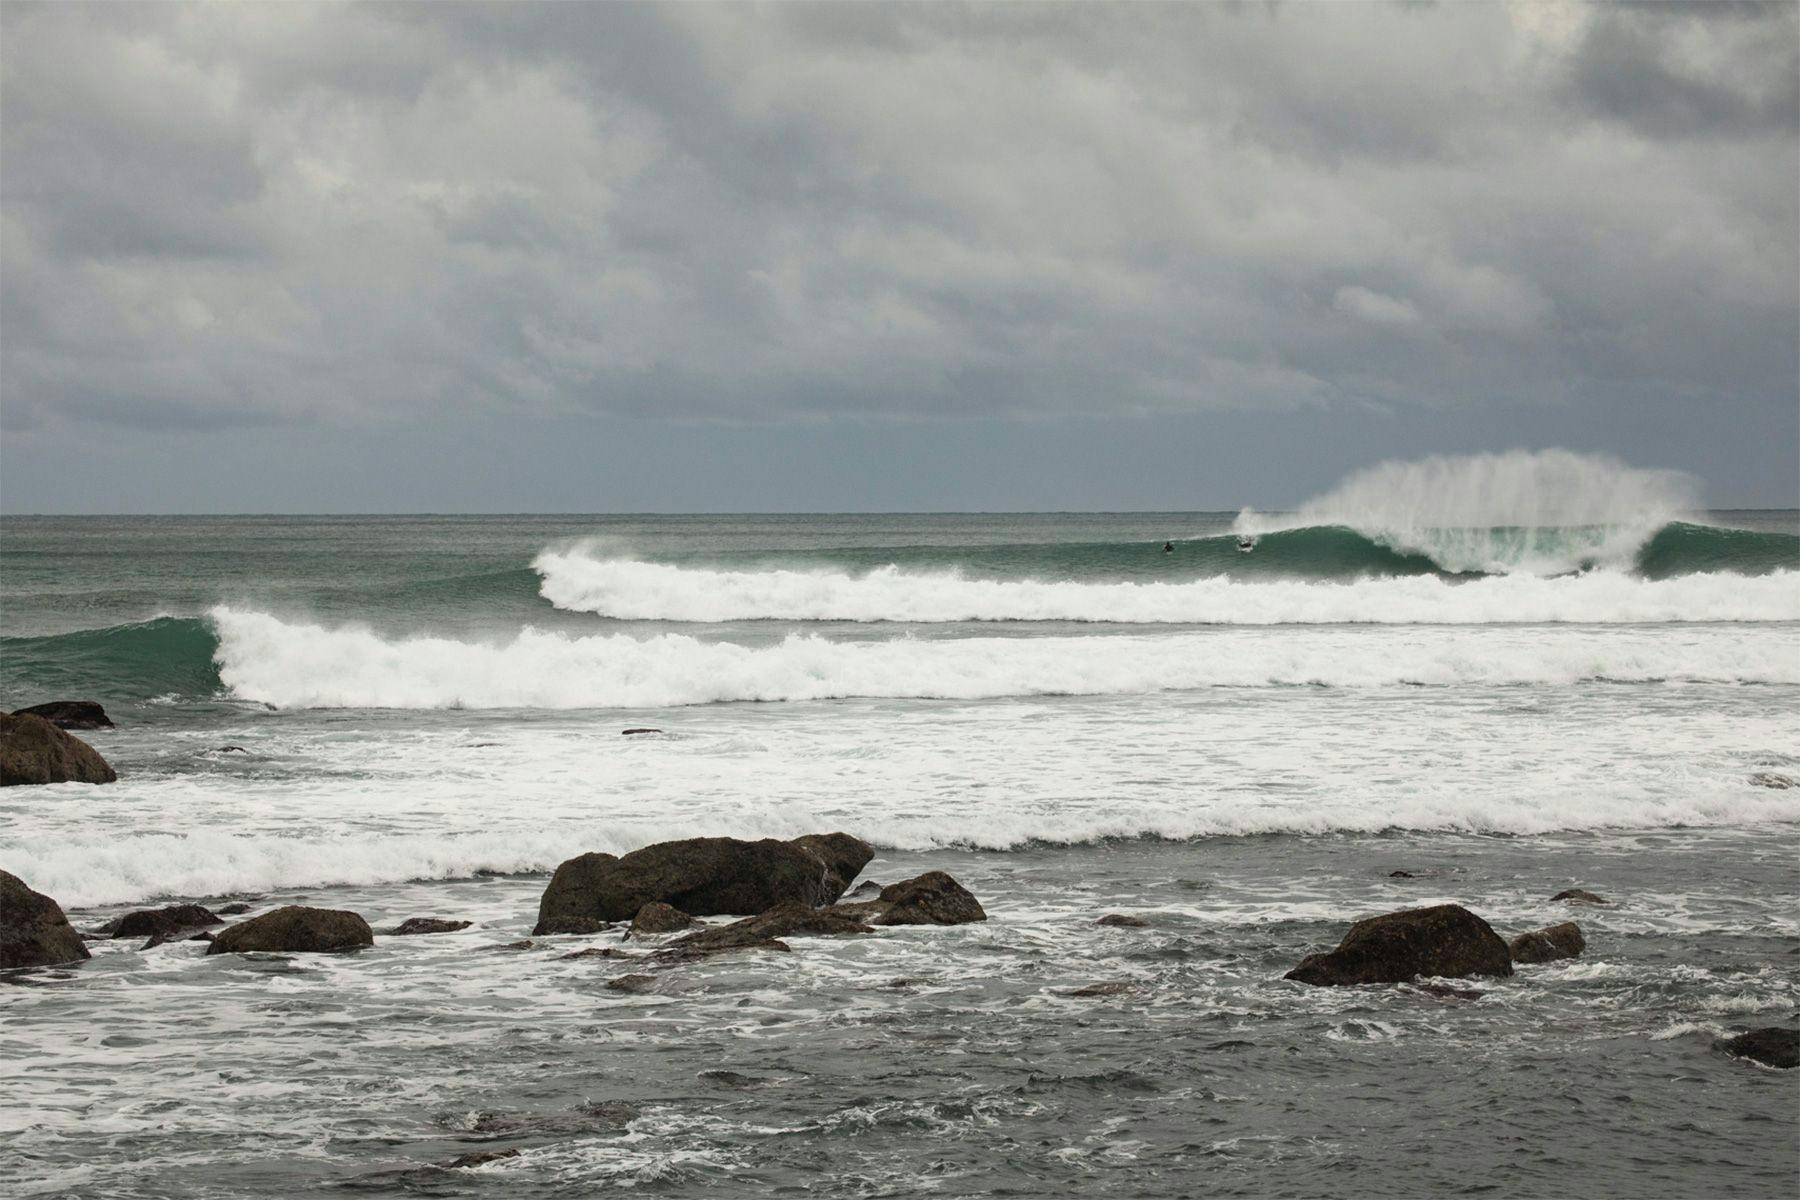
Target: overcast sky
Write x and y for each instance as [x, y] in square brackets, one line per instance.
[585, 257]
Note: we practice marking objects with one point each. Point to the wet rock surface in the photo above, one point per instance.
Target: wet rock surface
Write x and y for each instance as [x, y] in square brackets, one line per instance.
[1548, 944]
[933, 898]
[161, 922]
[33, 930]
[1578, 896]
[1773, 1047]
[1445, 940]
[658, 918]
[33, 751]
[295, 929]
[1123, 921]
[700, 877]
[69, 714]
[415, 926]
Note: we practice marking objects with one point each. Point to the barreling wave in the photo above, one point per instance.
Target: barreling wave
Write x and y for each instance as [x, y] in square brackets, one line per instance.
[290, 665]
[630, 589]
[145, 659]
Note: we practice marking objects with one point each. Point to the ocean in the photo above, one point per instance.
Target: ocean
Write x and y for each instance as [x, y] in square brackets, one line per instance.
[1240, 738]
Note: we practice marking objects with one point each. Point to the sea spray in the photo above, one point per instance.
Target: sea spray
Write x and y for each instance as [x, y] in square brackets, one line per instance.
[1539, 512]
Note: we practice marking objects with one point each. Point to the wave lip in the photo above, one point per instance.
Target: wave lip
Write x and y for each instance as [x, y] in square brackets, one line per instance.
[267, 660]
[629, 589]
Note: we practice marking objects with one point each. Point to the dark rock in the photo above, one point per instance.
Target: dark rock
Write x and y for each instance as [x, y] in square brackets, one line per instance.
[699, 876]
[295, 929]
[525, 944]
[1446, 992]
[1548, 944]
[868, 888]
[762, 931]
[478, 1158]
[1772, 1047]
[933, 898]
[731, 1079]
[229, 750]
[633, 732]
[234, 910]
[1577, 896]
[635, 984]
[69, 714]
[1445, 940]
[1401, 875]
[179, 935]
[1095, 990]
[1774, 779]
[33, 930]
[658, 918]
[32, 750]
[599, 952]
[1123, 921]
[588, 1118]
[414, 926]
[152, 922]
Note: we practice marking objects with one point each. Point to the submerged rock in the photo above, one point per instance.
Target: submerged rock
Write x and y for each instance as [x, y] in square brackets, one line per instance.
[1444, 940]
[635, 984]
[635, 732]
[933, 898]
[32, 750]
[235, 909]
[658, 918]
[701, 877]
[162, 922]
[1096, 990]
[1774, 779]
[1123, 921]
[762, 931]
[414, 926]
[295, 929]
[1578, 896]
[33, 930]
[179, 935]
[1548, 944]
[69, 714]
[479, 1158]
[1772, 1047]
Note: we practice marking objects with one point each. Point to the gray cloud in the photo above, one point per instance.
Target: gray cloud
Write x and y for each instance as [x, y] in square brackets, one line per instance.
[337, 216]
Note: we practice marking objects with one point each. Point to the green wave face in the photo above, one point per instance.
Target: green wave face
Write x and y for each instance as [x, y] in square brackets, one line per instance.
[142, 661]
[1683, 549]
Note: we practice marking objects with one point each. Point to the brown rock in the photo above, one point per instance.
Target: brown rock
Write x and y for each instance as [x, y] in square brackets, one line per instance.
[1444, 940]
[33, 930]
[1548, 944]
[155, 922]
[635, 984]
[414, 926]
[479, 1158]
[762, 931]
[699, 876]
[69, 714]
[933, 898]
[32, 750]
[658, 918]
[295, 929]
[1123, 921]
[1577, 896]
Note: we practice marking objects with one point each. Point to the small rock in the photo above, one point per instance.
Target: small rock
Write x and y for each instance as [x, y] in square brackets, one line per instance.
[763, 931]
[1446, 940]
[868, 888]
[1773, 1047]
[598, 952]
[634, 732]
[1548, 944]
[1123, 921]
[1101, 989]
[635, 984]
[1446, 992]
[1774, 779]
[1578, 896]
[731, 1079]
[295, 928]
[479, 1158]
[154, 922]
[69, 714]
[234, 910]
[933, 898]
[657, 917]
[1401, 875]
[180, 935]
[526, 944]
[413, 926]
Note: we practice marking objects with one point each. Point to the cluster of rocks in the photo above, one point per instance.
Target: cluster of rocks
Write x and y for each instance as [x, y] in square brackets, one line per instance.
[797, 888]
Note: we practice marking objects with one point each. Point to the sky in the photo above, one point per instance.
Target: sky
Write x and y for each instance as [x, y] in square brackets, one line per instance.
[685, 257]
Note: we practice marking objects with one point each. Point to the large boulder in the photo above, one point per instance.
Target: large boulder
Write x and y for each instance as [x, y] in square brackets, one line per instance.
[933, 898]
[69, 714]
[32, 750]
[162, 922]
[1548, 944]
[295, 929]
[33, 930]
[701, 877]
[1772, 1047]
[1445, 940]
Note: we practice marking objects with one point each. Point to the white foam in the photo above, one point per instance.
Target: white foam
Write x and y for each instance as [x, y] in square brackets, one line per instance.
[577, 579]
[1542, 513]
[293, 665]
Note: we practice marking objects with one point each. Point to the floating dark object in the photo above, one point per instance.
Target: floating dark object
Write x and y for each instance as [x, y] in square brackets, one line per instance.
[646, 729]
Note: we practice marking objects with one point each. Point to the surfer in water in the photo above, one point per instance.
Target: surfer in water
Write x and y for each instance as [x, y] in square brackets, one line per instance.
[1168, 547]
[1246, 543]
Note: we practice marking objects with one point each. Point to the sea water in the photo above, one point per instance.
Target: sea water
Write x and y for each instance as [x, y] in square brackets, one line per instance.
[421, 716]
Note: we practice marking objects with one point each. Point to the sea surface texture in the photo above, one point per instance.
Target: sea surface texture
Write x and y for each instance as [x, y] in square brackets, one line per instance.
[1239, 739]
